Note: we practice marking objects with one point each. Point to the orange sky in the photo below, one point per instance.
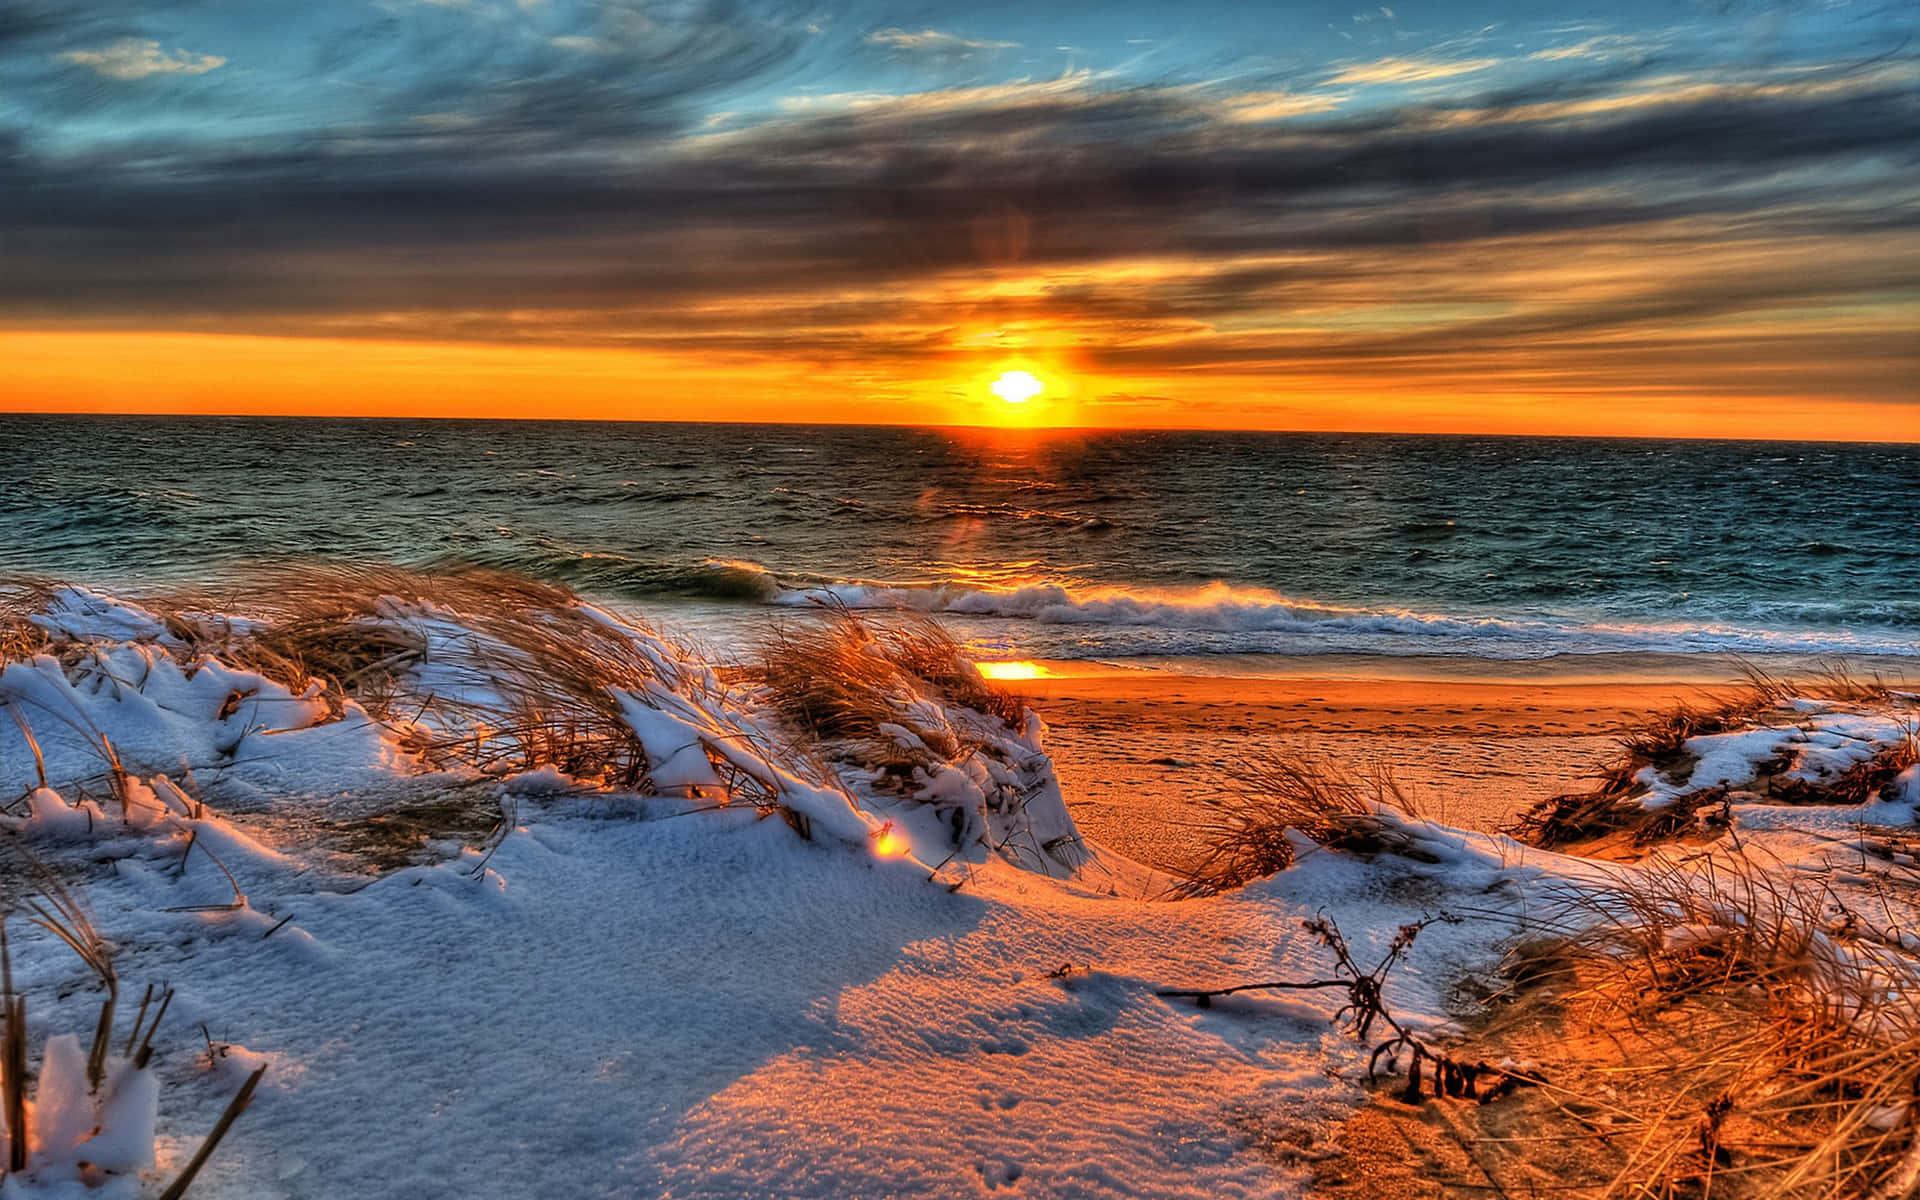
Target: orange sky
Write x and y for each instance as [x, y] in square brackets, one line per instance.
[113, 372]
[1512, 221]
[1490, 218]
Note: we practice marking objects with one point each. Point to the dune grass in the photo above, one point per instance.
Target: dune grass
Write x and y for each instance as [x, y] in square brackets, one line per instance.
[1862, 783]
[20, 636]
[333, 625]
[1718, 1027]
[530, 676]
[1613, 810]
[1583, 818]
[1269, 796]
[855, 678]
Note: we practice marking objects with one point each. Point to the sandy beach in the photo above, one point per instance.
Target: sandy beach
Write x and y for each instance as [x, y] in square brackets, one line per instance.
[1473, 743]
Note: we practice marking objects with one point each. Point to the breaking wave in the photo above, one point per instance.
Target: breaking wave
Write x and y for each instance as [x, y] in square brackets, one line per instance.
[1225, 618]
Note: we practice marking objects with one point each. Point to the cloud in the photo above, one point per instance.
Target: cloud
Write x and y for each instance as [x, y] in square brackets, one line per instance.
[1611, 46]
[1411, 70]
[508, 189]
[137, 58]
[1274, 106]
[933, 42]
[984, 97]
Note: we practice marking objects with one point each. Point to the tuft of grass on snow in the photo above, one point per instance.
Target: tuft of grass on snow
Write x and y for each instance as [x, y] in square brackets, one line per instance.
[480, 668]
[1862, 783]
[557, 675]
[1614, 810]
[1583, 817]
[847, 675]
[332, 625]
[1275, 793]
[542, 680]
[20, 636]
[1752, 1037]
[546, 670]
[1662, 738]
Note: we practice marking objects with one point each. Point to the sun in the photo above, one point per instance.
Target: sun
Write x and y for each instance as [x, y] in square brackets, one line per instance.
[1017, 387]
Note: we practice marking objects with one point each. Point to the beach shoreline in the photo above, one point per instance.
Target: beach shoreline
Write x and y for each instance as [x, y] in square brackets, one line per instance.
[1474, 742]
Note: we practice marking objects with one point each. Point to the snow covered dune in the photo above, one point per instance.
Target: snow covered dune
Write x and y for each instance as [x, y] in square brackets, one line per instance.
[509, 895]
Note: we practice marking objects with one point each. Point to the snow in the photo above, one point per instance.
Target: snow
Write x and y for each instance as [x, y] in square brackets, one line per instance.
[1812, 743]
[664, 994]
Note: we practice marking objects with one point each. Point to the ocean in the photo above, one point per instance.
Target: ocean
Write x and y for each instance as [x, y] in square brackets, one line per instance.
[1122, 547]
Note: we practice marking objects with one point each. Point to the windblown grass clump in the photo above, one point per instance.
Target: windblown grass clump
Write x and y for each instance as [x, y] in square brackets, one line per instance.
[1721, 1028]
[335, 626]
[853, 678]
[897, 703]
[1614, 809]
[1580, 818]
[1835, 679]
[1662, 738]
[1863, 783]
[1618, 812]
[21, 637]
[1270, 796]
[520, 675]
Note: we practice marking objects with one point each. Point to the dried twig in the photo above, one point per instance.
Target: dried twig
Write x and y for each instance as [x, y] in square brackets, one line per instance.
[238, 1105]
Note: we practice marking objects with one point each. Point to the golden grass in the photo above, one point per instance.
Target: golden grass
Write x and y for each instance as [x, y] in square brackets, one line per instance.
[1613, 811]
[20, 636]
[540, 680]
[1663, 737]
[331, 625]
[1862, 783]
[20, 639]
[1583, 818]
[846, 676]
[1724, 1028]
[1836, 679]
[1246, 833]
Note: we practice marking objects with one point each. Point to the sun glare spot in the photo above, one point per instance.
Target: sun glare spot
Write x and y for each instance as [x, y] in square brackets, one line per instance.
[1018, 387]
[889, 844]
[1013, 670]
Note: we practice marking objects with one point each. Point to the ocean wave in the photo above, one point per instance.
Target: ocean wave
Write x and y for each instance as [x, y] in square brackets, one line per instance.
[730, 579]
[1225, 618]
[1217, 606]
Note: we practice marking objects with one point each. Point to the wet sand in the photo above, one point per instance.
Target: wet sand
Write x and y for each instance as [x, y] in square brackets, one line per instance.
[1138, 751]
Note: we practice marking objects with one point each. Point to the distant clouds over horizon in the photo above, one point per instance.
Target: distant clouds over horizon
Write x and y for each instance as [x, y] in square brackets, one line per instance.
[1191, 210]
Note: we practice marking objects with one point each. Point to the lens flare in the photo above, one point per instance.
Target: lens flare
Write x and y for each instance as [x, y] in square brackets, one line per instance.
[888, 843]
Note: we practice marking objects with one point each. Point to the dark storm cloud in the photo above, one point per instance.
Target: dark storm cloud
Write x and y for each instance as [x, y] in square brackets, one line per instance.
[1081, 177]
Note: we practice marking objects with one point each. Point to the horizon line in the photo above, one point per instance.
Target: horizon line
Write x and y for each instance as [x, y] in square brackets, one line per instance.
[935, 426]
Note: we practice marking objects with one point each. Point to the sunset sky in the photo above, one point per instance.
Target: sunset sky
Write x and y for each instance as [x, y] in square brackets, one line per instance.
[1629, 218]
